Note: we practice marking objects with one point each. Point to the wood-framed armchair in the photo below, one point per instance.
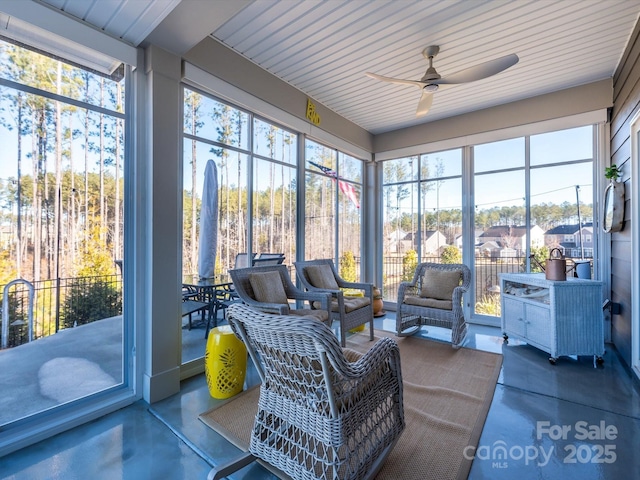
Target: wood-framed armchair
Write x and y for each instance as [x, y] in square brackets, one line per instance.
[322, 412]
[322, 276]
[434, 297]
[269, 289]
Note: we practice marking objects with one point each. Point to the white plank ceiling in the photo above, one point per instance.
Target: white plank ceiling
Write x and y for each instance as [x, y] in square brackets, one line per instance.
[324, 48]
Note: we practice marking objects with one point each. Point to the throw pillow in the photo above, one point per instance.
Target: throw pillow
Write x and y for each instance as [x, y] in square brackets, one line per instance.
[439, 284]
[321, 276]
[267, 287]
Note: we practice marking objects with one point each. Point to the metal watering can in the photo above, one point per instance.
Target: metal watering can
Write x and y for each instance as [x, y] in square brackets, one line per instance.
[555, 266]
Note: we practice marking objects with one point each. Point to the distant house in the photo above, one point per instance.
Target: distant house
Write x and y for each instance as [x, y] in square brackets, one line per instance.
[487, 248]
[567, 239]
[432, 242]
[395, 240]
[512, 238]
[476, 239]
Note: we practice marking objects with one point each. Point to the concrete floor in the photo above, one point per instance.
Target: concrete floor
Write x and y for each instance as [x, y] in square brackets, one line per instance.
[545, 422]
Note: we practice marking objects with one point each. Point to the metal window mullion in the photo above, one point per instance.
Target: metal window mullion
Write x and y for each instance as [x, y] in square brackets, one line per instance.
[300, 197]
[61, 98]
[336, 221]
[527, 199]
[419, 212]
[468, 223]
[214, 143]
[249, 219]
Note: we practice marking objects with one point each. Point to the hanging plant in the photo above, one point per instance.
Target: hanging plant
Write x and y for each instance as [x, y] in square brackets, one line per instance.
[612, 172]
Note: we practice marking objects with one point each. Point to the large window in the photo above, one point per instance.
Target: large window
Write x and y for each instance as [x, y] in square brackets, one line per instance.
[526, 196]
[239, 144]
[62, 131]
[274, 189]
[422, 211]
[333, 187]
[256, 194]
[531, 195]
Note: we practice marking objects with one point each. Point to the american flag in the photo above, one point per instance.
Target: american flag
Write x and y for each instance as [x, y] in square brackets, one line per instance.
[345, 187]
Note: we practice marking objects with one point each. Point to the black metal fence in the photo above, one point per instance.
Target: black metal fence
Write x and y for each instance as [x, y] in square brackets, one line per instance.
[59, 304]
[486, 274]
[69, 302]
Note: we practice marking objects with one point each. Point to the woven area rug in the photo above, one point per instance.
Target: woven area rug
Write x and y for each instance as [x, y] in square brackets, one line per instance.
[447, 394]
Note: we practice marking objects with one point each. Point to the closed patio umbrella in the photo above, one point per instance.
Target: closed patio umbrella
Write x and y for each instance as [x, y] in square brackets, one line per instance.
[208, 222]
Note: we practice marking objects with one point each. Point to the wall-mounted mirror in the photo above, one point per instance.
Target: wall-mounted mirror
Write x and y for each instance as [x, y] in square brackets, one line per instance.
[613, 211]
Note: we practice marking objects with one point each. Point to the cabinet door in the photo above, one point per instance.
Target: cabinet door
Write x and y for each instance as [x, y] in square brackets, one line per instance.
[538, 323]
[513, 317]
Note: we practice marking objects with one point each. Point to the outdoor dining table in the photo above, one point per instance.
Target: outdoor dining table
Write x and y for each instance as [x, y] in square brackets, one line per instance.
[213, 291]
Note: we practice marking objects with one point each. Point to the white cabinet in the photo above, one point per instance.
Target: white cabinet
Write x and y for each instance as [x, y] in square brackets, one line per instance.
[558, 317]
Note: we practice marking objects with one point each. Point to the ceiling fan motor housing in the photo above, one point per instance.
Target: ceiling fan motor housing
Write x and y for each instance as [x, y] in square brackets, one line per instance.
[431, 80]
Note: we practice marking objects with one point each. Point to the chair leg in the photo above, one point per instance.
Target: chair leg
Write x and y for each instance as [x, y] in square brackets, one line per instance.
[213, 315]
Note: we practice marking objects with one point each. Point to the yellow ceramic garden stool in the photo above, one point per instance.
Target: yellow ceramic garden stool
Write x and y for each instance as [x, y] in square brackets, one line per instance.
[355, 293]
[225, 363]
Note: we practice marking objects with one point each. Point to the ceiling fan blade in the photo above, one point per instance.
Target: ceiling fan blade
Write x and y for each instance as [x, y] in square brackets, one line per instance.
[395, 80]
[481, 71]
[426, 99]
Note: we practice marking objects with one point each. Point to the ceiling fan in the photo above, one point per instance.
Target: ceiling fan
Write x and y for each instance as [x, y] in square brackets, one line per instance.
[431, 81]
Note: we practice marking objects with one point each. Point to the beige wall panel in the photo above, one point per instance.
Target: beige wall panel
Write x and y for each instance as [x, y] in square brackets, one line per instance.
[582, 99]
[225, 64]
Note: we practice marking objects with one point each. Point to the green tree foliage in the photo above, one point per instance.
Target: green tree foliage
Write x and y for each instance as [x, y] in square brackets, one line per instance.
[489, 305]
[348, 266]
[540, 254]
[18, 332]
[94, 295]
[409, 264]
[7, 269]
[97, 261]
[451, 254]
[89, 301]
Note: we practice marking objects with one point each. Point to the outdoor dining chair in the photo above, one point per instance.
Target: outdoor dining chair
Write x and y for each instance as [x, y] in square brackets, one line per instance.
[268, 259]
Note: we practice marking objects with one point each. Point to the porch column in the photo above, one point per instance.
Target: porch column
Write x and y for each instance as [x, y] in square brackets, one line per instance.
[161, 376]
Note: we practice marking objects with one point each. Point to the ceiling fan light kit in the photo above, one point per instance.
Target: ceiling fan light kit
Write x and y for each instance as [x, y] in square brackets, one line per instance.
[431, 80]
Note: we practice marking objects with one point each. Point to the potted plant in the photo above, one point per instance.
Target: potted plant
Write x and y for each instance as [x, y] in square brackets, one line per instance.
[613, 173]
[377, 301]
[613, 212]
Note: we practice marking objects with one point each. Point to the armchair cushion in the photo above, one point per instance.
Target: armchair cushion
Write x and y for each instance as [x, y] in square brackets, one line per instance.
[321, 276]
[321, 315]
[350, 304]
[439, 284]
[429, 302]
[267, 287]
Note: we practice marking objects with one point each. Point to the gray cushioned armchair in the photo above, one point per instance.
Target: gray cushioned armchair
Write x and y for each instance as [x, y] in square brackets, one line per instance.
[434, 297]
[269, 288]
[351, 312]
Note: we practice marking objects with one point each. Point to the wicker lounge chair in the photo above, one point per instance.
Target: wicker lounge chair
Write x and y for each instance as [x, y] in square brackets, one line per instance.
[434, 297]
[321, 275]
[269, 288]
[323, 413]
